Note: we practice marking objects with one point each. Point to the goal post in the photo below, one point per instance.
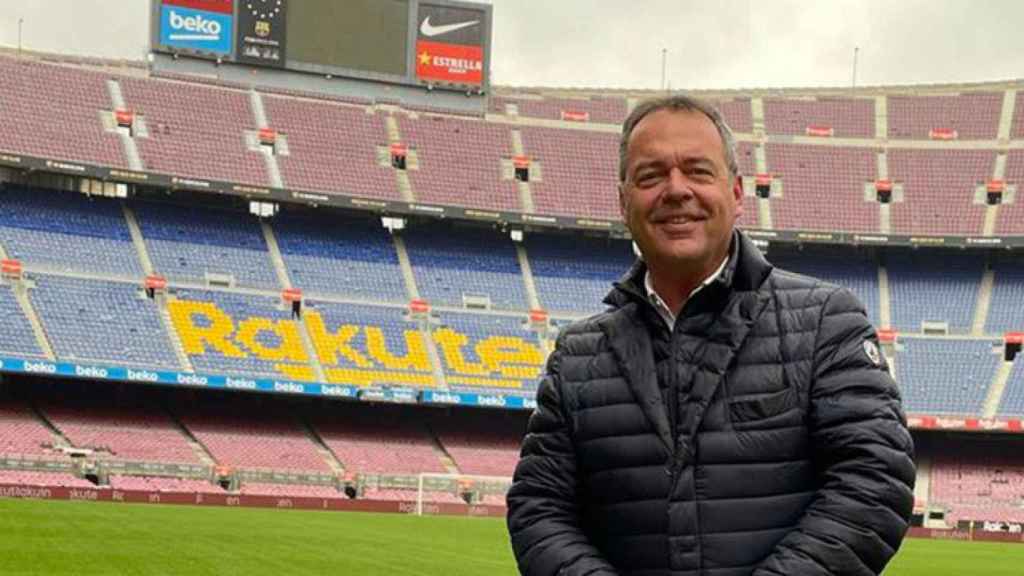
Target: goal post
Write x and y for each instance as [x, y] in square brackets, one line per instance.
[457, 484]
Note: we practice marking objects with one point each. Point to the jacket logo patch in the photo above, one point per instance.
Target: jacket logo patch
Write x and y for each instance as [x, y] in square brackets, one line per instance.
[871, 349]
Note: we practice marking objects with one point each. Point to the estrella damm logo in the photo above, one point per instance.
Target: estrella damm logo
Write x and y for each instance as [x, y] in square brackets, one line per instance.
[355, 354]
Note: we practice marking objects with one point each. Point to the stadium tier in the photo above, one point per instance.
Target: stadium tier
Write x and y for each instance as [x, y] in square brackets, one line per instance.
[945, 376]
[923, 291]
[54, 111]
[939, 148]
[823, 187]
[846, 117]
[573, 277]
[331, 147]
[195, 131]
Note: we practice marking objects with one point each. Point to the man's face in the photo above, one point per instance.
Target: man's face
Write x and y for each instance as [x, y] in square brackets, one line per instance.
[679, 200]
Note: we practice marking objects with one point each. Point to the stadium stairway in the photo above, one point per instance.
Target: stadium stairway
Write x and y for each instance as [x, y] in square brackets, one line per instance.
[260, 118]
[131, 151]
[923, 482]
[984, 302]
[884, 210]
[884, 298]
[405, 264]
[764, 204]
[20, 291]
[197, 447]
[442, 453]
[321, 447]
[160, 298]
[277, 260]
[401, 176]
[528, 281]
[992, 210]
[994, 398]
[525, 195]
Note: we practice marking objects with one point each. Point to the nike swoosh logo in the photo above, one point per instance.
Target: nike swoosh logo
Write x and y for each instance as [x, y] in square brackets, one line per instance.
[428, 29]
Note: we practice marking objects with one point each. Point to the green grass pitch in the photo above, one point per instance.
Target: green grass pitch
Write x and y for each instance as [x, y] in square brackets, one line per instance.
[65, 538]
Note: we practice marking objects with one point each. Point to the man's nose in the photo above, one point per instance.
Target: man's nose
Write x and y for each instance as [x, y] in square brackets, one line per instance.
[678, 186]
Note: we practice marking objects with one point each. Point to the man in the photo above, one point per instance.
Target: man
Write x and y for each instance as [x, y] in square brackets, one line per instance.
[723, 417]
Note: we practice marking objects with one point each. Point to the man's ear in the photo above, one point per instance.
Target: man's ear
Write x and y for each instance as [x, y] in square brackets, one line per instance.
[737, 194]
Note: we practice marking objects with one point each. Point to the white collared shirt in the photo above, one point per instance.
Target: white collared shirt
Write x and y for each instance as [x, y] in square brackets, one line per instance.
[662, 308]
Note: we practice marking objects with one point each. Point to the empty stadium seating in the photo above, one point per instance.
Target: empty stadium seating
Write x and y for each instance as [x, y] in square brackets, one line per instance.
[227, 333]
[579, 172]
[573, 274]
[1006, 311]
[244, 434]
[482, 443]
[1011, 216]
[290, 490]
[345, 255]
[927, 287]
[983, 480]
[53, 111]
[459, 162]
[939, 190]
[974, 115]
[450, 265]
[737, 113]
[189, 244]
[64, 231]
[195, 131]
[385, 440]
[100, 321]
[823, 188]
[332, 148]
[21, 432]
[606, 110]
[121, 430]
[43, 479]
[1013, 397]
[17, 337]
[945, 376]
[503, 355]
[368, 345]
[846, 117]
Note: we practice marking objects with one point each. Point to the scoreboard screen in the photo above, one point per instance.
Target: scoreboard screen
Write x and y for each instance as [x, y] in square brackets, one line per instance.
[418, 42]
[366, 35]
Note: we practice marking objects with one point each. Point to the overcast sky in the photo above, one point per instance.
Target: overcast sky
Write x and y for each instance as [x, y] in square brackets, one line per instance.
[618, 43]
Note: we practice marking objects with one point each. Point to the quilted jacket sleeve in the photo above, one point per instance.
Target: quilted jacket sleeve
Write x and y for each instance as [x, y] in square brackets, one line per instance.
[542, 516]
[863, 453]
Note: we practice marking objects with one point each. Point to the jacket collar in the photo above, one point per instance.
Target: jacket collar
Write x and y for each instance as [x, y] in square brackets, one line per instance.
[745, 271]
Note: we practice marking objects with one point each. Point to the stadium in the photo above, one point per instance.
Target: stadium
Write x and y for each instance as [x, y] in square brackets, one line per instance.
[234, 283]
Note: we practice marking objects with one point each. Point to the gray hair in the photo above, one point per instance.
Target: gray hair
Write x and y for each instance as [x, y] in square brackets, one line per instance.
[678, 103]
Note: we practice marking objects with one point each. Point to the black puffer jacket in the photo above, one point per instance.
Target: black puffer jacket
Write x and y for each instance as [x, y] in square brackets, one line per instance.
[792, 456]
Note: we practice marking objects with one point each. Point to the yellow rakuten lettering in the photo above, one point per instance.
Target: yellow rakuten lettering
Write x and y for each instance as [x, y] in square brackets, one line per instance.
[195, 339]
[329, 345]
[511, 357]
[290, 348]
[451, 343]
[415, 356]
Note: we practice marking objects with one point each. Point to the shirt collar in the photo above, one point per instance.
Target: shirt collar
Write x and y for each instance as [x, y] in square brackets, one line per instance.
[659, 304]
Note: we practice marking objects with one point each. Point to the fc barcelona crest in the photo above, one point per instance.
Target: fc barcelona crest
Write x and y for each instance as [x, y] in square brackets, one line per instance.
[262, 28]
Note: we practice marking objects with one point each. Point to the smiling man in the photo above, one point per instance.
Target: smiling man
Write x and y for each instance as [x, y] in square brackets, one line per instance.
[723, 417]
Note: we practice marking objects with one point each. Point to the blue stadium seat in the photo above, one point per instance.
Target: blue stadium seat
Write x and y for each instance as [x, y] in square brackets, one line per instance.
[1006, 313]
[452, 262]
[349, 256]
[64, 231]
[92, 320]
[1013, 396]
[186, 243]
[574, 274]
[16, 338]
[945, 376]
[934, 287]
[499, 354]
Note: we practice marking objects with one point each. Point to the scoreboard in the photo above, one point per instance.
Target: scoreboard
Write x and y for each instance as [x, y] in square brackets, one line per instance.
[419, 42]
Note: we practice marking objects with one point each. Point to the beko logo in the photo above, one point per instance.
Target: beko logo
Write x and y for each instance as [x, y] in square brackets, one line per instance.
[195, 27]
[430, 30]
